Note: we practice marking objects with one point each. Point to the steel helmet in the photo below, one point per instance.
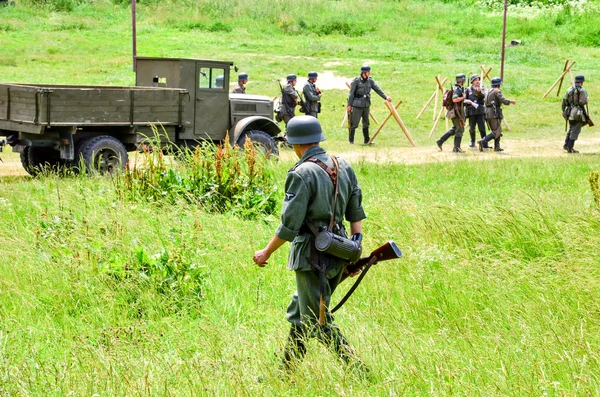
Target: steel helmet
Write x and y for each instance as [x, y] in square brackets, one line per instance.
[365, 68]
[313, 75]
[496, 81]
[242, 77]
[475, 77]
[304, 129]
[460, 78]
[291, 77]
[579, 78]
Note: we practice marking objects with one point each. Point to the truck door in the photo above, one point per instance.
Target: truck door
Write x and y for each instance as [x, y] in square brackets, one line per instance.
[212, 102]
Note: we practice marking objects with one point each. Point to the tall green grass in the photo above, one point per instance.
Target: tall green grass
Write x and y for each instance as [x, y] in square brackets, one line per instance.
[497, 293]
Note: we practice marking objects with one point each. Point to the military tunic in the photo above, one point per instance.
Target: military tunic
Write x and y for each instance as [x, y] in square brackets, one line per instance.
[457, 113]
[360, 99]
[313, 98]
[309, 196]
[288, 100]
[239, 89]
[573, 110]
[493, 110]
[476, 116]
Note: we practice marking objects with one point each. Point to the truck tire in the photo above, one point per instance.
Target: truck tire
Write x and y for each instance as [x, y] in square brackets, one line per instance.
[102, 154]
[37, 159]
[261, 139]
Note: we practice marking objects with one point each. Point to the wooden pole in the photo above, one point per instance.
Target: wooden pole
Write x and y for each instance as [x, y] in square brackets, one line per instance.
[400, 123]
[561, 80]
[557, 80]
[382, 124]
[485, 75]
[134, 35]
[344, 119]
[503, 41]
[437, 120]
[506, 124]
[437, 95]
[427, 104]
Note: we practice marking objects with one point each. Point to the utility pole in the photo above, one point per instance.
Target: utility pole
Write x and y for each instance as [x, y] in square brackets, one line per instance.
[134, 34]
[503, 41]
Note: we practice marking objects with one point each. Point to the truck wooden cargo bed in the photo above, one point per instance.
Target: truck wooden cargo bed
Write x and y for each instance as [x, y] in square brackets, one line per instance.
[30, 107]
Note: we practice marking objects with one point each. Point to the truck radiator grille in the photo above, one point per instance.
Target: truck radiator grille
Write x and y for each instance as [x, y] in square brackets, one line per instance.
[245, 107]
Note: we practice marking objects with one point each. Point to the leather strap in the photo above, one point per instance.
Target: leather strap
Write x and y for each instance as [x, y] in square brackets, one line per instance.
[355, 286]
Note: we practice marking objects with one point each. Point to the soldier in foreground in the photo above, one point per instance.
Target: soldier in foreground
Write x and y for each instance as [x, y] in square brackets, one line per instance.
[359, 101]
[309, 207]
[573, 110]
[476, 109]
[457, 114]
[312, 94]
[240, 88]
[289, 98]
[493, 114]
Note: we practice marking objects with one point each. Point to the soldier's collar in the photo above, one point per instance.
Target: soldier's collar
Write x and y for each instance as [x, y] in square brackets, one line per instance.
[313, 151]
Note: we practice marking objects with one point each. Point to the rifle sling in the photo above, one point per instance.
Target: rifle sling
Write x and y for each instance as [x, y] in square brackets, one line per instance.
[355, 286]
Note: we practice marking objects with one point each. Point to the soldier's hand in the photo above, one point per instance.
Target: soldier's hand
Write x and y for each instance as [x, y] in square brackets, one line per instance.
[514, 102]
[389, 99]
[261, 257]
[349, 108]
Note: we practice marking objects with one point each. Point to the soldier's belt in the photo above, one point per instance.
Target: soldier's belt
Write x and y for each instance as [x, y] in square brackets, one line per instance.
[361, 96]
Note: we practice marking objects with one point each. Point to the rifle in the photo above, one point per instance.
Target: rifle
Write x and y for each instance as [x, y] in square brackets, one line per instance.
[349, 122]
[302, 103]
[586, 113]
[386, 252]
[458, 114]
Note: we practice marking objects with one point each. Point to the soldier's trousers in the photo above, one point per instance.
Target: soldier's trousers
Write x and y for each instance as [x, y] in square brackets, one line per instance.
[496, 127]
[304, 308]
[358, 114]
[287, 118]
[456, 129]
[314, 114]
[478, 121]
[574, 129]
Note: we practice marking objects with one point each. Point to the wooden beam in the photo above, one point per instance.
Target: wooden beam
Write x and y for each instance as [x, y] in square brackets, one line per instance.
[437, 120]
[382, 124]
[400, 123]
[557, 80]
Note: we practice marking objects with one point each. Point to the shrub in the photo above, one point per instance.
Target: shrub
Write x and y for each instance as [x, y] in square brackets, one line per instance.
[221, 178]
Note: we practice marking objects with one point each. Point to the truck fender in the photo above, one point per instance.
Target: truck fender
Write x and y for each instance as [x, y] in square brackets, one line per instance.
[260, 123]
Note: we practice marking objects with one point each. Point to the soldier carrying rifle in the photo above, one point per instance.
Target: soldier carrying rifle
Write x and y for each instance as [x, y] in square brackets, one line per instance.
[456, 112]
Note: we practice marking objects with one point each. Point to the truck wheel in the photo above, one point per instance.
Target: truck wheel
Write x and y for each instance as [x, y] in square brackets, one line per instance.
[261, 139]
[103, 154]
[37, 159]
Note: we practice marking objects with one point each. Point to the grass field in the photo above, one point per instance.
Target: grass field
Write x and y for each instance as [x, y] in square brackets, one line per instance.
[498, 290]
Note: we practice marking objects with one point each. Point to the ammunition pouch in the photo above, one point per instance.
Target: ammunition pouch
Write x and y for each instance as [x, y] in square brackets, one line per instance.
[338, 246]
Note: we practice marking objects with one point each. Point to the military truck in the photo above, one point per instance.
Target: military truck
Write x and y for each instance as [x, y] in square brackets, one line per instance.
[187, 100]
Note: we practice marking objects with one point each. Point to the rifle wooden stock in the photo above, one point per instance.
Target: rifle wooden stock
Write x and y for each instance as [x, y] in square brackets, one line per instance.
[386, 252]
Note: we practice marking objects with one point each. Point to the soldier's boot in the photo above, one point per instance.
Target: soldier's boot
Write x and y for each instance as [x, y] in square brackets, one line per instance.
[351, 136]
[457, 148]
[566, 145]
[497, 147]
[332, 337]
[366, 135]
[295, 348]
[483, 144]
[443, 139]
[570, 147]
[472, 144]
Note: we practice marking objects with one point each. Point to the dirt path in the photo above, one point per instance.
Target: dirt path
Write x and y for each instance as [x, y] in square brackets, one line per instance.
[515, 149]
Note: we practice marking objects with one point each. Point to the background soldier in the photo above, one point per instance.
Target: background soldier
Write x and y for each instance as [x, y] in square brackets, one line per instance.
[573, 108]
[219, 81]
[289, 98]
[476, 109]
[240, 88]
[493, 114]
[312, 94]
[308, 199]
[457, 114]
[359, 101]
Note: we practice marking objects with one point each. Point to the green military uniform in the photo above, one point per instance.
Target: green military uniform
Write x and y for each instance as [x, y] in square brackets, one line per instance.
[313, 98]
[573, 108]
[288, 100]
[239, 89]
[309, 197]
[360, 100]
[457, 114]
[476, 115]
[493, 114]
